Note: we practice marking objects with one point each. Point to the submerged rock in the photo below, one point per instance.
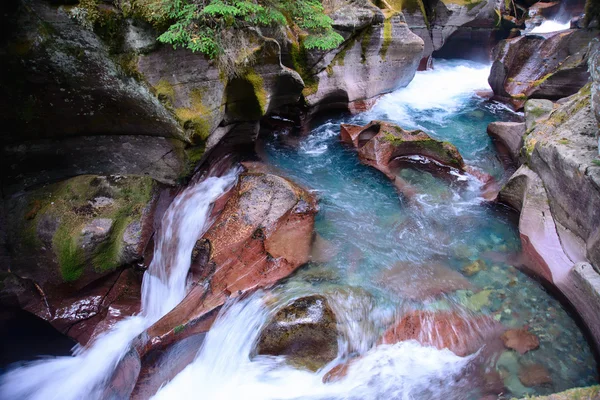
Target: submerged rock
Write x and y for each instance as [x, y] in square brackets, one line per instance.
[534, 375]
[304, 332]
[520, 340]
[547, 66]
[422, 281]
[461, 334]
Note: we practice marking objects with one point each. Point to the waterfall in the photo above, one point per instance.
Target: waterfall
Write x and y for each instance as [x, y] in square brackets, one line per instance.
[84, 374]
[551, 26]
[224, 368]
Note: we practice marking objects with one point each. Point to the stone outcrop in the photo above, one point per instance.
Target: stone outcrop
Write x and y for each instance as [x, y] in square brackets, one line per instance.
[67, 244]
[558, 197]
[381, 57]
[386, 146]
[463, 29]
[508, 137]
[303, 331]
[69, 108]
[263, 234]
[547, 66]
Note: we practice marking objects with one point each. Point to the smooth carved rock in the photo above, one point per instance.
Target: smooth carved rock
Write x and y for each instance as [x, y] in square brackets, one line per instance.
[548, 66]
[379, 59]
[422, 281]
[263, 234]
[304, 332]
[534, 375]
[461, 334]
[508, 137]
[385, 146]
[520, 340]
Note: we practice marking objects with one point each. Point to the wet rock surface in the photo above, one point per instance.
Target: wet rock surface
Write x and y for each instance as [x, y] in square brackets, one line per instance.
[520, 340]
[461, 334]
[263, 234]
[304, 332]
[547, 66]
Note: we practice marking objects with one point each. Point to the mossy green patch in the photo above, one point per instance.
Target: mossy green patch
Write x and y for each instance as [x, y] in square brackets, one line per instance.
[164, 91]
[543, 79]
[69, 203]
[470, 4]
[365, 41]
[387, 38]
[259, 89]
[585, 393]
[195, 119]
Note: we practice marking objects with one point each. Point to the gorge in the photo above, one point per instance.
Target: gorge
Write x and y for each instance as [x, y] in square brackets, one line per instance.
[365, 221]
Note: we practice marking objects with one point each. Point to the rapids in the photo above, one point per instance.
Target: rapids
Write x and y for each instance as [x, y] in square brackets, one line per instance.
[382, 253]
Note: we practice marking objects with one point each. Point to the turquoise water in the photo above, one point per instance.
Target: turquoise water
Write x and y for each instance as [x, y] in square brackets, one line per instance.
[393, 254]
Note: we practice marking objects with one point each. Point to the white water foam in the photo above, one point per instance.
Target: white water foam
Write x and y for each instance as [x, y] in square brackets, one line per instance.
[223, 368]
[443, 90]
[551, 26]
[83, 376]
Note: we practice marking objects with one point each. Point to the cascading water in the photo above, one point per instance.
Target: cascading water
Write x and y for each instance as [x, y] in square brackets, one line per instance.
[551, 26]
[83, 375]
[384, 253]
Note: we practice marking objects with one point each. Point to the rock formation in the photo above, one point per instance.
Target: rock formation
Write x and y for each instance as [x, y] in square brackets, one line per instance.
[546, 66]
[304, 332]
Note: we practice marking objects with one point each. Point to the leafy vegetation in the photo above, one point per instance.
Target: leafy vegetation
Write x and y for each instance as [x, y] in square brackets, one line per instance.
[200, 25]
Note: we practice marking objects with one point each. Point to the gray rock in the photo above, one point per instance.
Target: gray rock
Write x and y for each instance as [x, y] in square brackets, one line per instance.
[382, 58]
[536, 109]
[95, 232]
[544, 66]
[509, 135]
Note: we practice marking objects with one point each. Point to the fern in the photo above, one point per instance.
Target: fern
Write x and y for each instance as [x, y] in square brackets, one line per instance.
[197, 25]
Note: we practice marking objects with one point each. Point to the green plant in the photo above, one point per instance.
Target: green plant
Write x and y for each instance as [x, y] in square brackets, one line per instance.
[199, 26]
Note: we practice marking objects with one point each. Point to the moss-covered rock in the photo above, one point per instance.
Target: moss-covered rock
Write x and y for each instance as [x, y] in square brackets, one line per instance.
[304, 332]
[80, 229]
[586, 393]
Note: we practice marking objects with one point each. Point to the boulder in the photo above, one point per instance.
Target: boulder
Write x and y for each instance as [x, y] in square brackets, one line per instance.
[461, 334]
[534, 375]
[303, 331]
[546, 66]
[508, 137]
[520, 340]
[68, 242]
[386, 147]
[262, 235]
[379, 143]
[594, 68]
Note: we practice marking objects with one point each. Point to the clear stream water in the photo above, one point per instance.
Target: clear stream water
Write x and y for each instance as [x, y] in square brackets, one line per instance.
[380, 255]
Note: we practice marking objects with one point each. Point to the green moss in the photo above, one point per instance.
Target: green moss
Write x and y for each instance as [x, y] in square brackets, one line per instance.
[178, 329]
[542, 80]
[259, 89]
[592, 11]
[365, 41]
[70, 255]
[128, 63]
[586, 393]
[299, 62]
[596, 163]
[164, 91]
[110, 26]
[520, 96]
[387, 37]
[68, 203]
[196, 118]
[564, 141]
